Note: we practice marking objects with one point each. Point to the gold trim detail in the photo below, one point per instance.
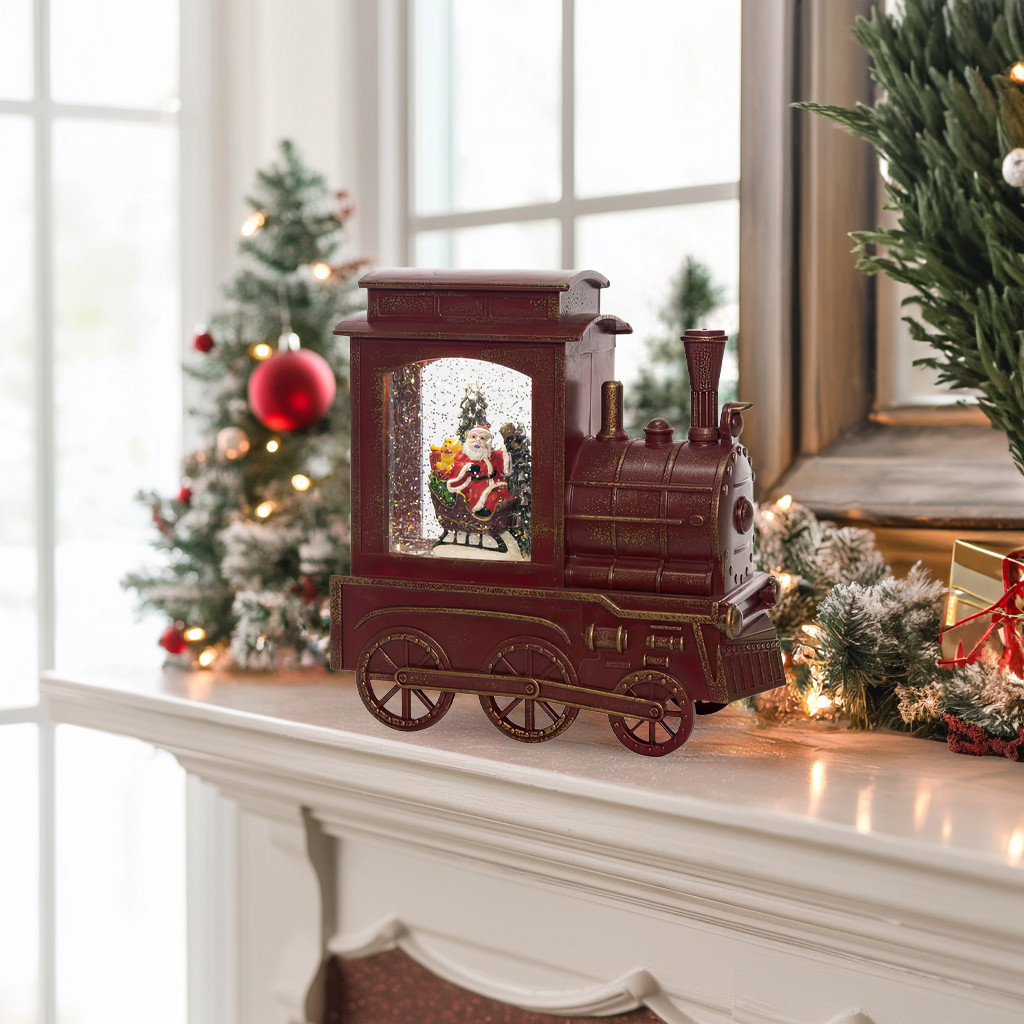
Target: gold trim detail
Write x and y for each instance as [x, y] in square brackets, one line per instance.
[665, 643]
[475, 612]
[678, 488]
[711, 617]
[336, 622]
[651, 660]
[649, 520]
[718, 689]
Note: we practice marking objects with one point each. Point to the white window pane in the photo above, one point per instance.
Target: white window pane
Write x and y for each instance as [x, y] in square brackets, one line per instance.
[642, 252]
[17, 422]
[117, 386]
[19, 874]
[487, 104]
[120, 881]
[534, 244]
[657, 94]
[115, 52]
[15, 49]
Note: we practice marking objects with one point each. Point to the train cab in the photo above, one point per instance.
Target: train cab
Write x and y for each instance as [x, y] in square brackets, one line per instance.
[516, 357]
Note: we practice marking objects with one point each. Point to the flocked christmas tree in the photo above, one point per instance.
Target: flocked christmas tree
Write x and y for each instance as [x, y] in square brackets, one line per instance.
[950, 109]
[472, 410]
[261, 519]
[663, 388]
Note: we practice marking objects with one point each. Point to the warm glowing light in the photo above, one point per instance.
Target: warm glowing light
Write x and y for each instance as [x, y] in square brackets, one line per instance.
[818, 702]
[770, 515]
[786, 580]
[207, 656]
[1017, 72]
[301, 482]
[947, 829]
[194, 633]
[273, 445]
[922, 802]
[261, 350]
[785, 502]
[321, 271]
[813, 631]
[1015, 848]
[863, 823]
[264, 508]
[817, 785]
[253, 223]
[200, 456]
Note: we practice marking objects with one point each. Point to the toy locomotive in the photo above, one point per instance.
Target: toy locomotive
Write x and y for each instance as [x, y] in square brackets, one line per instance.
[510, 541]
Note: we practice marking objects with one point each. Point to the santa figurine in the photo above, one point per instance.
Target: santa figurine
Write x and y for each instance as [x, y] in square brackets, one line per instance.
[478, 474]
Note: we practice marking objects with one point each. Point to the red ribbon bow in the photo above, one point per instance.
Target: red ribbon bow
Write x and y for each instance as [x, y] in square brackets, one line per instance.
[1006, 614]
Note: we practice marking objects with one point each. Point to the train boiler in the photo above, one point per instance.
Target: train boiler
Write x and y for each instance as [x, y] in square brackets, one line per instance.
[509, 541]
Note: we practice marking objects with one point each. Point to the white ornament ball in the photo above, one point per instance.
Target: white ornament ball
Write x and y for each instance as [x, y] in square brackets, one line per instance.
[1013, 168]
[232, 443]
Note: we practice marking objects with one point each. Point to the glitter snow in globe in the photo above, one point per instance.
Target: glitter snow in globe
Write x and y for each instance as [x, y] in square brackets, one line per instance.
[1013, 168]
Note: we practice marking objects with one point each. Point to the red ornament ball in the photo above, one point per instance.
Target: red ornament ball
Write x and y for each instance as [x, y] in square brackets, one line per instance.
[173, 640]
[203, 342]
[185, 495]
[291, 390]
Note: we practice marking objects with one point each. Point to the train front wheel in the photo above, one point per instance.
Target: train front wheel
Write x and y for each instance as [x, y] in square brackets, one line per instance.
[404, 709]
[524, 719]
[671, 731]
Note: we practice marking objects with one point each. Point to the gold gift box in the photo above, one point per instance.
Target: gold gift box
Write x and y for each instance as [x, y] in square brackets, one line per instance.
[976, 582]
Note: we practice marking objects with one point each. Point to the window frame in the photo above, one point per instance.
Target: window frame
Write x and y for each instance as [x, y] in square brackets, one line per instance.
[43, 112]
[820, 433]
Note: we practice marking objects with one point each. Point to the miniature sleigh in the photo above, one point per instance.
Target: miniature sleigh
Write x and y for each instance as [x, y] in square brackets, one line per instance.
[461, 526]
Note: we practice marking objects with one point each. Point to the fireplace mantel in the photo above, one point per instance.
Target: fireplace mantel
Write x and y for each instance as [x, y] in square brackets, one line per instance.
[788, 874]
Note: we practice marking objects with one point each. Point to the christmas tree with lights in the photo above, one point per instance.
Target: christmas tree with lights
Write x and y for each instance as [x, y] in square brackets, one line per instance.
[261, 519]
[663, 388]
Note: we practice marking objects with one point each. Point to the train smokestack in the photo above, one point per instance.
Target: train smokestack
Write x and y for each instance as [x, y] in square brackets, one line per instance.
[611, 412]
[704, 353]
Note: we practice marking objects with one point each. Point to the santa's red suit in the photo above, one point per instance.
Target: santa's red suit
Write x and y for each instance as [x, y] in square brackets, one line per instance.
[481, 479]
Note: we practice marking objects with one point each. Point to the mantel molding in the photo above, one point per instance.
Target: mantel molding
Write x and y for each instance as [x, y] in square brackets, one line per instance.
[749, 866]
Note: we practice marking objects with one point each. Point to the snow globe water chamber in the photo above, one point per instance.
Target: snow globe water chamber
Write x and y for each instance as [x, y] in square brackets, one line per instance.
[511, 542]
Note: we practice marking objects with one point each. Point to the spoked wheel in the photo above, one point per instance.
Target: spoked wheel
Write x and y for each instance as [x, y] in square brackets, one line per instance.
[384, 698]
[671, 731]
[523, 718]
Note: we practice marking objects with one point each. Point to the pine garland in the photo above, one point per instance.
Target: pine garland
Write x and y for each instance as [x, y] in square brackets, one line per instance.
[947, 114]
[863, 645]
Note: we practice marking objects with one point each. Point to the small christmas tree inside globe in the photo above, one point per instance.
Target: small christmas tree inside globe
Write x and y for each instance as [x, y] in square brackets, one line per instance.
[291, 390]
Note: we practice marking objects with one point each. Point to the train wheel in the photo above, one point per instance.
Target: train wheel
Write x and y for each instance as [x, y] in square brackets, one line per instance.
[671, 731]
[522, 718]
[384, 698]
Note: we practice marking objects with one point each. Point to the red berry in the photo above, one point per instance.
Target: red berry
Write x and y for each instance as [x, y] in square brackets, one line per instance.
[185, 496]
[203, 342]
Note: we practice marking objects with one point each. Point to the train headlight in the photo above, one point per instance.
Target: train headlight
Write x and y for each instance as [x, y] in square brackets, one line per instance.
[743, 515]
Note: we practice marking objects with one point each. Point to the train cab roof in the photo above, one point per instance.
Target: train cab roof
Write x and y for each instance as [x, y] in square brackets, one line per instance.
[555, 306]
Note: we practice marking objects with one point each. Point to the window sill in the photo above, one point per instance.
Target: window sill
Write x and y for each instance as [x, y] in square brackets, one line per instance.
[918, 487]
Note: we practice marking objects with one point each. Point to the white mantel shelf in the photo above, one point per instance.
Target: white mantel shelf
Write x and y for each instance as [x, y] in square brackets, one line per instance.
[787, 874]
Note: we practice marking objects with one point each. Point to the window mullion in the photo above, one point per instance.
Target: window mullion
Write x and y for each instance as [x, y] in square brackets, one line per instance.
[568, 213]
[46, 529]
